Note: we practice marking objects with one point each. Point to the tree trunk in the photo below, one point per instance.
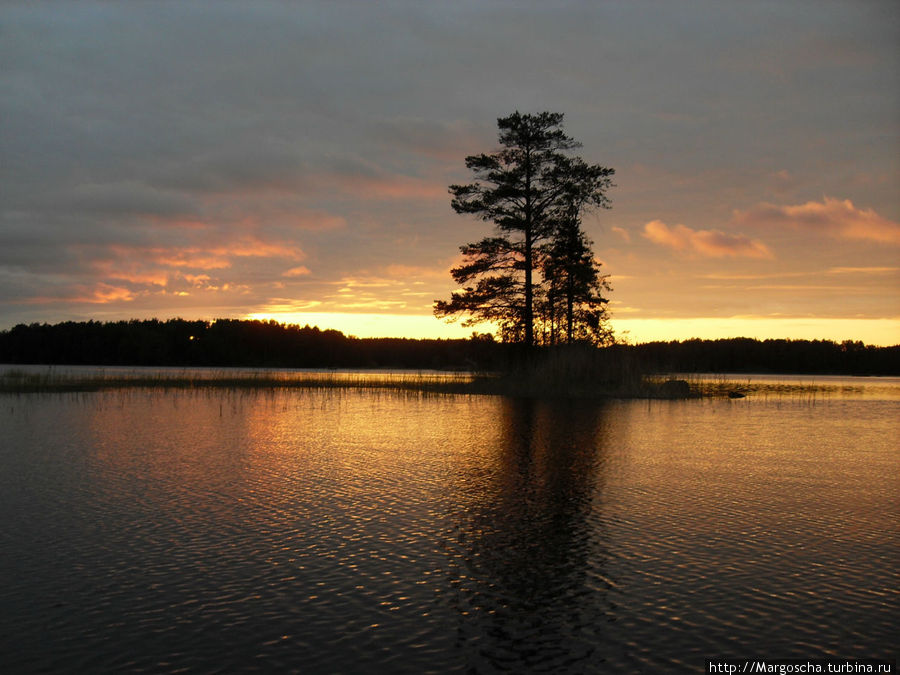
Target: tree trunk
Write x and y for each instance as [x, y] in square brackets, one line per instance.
[529, 257]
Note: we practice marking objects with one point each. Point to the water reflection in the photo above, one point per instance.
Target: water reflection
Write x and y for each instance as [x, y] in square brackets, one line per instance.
[346, 531]
[526, 564]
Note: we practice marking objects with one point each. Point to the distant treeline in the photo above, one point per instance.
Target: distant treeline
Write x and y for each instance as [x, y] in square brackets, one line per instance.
[231, 342]
[268, 344]
[745, 355]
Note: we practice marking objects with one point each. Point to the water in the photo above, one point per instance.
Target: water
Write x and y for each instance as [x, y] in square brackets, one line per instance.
[359, 531]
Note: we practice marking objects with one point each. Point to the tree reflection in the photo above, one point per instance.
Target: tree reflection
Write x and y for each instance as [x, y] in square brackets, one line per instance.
[527, 566]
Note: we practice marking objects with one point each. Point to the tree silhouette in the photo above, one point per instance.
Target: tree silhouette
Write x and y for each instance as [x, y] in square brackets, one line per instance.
[529, 189]
[574, 285]
[574, 307]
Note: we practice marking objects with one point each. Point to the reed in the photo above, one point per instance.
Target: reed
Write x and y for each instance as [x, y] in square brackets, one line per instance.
[562, 373]
[15, 381]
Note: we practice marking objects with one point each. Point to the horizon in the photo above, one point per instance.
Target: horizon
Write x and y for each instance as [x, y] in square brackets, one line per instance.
[293, 162]
[372, 326]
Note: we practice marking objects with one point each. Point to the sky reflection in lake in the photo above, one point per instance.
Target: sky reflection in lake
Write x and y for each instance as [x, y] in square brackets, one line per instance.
[347, 531]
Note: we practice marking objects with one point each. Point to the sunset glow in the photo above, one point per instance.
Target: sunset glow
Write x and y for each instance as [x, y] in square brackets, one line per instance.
[374, 325]
[877, 331]
[882, 332]
[303, 176]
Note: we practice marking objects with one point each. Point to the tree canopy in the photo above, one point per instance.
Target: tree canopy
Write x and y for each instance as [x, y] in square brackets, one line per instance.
[537, 271]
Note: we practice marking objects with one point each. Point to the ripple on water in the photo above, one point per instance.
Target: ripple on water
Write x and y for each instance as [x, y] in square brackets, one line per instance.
[353, 532]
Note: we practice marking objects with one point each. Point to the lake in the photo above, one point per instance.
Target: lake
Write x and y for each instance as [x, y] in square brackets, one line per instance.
[359, 531]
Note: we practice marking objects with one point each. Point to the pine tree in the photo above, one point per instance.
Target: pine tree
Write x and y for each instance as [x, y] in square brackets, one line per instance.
[571, 273]
[527, 189]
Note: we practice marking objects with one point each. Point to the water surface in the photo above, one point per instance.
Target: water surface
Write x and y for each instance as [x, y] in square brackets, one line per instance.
[353, 531]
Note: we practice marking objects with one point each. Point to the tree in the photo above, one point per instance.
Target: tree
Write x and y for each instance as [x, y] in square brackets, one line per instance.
[528, 189]
[571, 273]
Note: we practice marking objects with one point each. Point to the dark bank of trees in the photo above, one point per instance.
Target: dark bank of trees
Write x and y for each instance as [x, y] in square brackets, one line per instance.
[231, 342]
[536, 277]
[745, 355]
[267, 344]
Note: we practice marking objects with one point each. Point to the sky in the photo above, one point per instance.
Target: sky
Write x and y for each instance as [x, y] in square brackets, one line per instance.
[291, 160]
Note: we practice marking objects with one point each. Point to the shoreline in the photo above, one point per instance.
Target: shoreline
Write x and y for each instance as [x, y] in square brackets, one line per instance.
[16, 380]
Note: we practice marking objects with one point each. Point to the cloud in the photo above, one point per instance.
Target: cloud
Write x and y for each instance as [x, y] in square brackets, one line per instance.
[411, 272]
[296, 272]
[444, 140]
[398, 187]
[315, 221]
[99, 294]
[105, 293]
[707, 243]
[622, 233]
[783, 181]
[863, 270]
[132, 273]
[377, 292]
[752, 277]
[255, 248]
[197, 280]
[122, 273]
[133, 262]
[832, 217]
[189, 259]
[360, 179]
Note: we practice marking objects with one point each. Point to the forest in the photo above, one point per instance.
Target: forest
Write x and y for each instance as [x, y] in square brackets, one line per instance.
[269, 344]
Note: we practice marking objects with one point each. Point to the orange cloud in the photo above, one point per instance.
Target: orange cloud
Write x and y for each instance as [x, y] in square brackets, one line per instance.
[296, 272]
[146, 270]
[131, 272]
[708, 243]
[371, 304]
[251, 247]
[198, 280]
[286, 306]
[370, 292]
[104, 293]
[833, 217]
[863, 270]
[349, 283]
[407, 272]
[153, 278]
[189, 258]
[218, 257]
